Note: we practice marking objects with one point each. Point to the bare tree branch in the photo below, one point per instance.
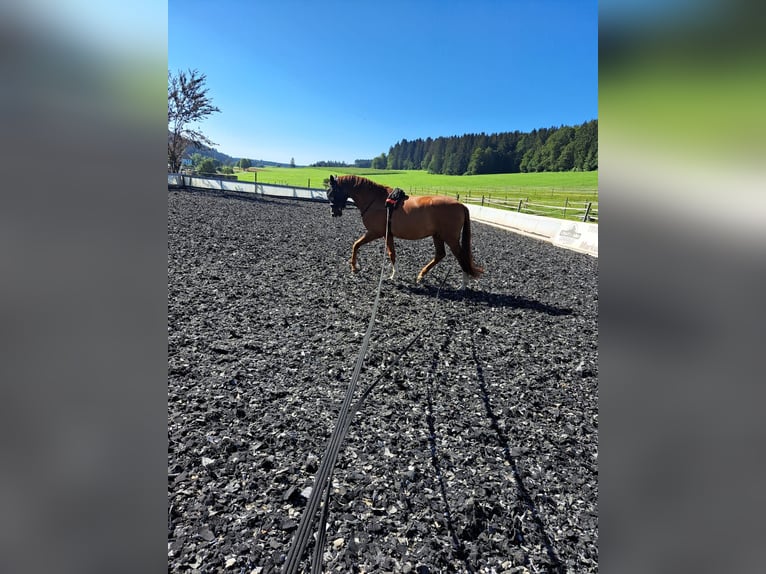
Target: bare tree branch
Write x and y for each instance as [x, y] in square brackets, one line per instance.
[188, 102]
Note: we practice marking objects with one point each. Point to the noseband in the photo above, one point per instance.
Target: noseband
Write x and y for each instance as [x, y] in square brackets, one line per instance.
[338, 199]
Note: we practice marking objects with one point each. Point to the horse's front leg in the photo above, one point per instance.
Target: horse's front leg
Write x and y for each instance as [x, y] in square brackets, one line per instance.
[391, 254]
[366, 238]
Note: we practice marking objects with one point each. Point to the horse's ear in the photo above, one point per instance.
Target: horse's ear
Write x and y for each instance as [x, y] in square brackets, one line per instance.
[332, 180]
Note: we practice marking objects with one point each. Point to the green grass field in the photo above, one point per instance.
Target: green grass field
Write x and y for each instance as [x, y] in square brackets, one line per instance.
[415, 180]
[546, 193]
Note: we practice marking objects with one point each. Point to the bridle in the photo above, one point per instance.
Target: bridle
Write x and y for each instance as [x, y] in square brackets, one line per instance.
[337, 199]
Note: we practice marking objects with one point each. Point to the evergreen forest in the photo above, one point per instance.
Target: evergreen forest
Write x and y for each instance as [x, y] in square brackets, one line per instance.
[565, 148]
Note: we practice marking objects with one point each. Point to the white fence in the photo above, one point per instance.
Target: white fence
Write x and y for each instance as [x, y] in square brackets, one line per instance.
[560, 205]
[575, 235]
[265, 189]
[576, 210]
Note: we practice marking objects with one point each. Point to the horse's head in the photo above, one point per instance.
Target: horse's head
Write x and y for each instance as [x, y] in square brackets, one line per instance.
[337, 197]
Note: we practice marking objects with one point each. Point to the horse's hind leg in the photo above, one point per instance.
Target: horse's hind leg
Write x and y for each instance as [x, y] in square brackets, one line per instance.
[454, 246]
[438, 256]
[391, 254]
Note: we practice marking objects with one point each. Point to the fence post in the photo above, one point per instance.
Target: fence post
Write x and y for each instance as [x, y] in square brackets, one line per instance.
[482, 200]
[309, 183]
[519, 209]
[587, 212]
[566, 204]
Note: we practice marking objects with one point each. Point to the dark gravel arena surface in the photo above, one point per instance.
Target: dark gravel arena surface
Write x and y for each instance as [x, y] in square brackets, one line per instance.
[476, 452]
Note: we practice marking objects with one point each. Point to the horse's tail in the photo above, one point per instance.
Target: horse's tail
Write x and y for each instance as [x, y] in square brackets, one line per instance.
[466, 258]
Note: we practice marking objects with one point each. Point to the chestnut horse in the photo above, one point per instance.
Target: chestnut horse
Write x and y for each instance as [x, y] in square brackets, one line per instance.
[444, 219]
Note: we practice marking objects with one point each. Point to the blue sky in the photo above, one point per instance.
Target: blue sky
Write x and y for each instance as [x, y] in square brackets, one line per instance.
[342, 80]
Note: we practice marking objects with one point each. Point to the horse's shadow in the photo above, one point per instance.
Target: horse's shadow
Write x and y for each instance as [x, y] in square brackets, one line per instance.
[483, 298]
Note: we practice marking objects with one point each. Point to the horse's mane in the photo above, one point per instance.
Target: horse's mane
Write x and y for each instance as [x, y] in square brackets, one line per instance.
[358, 182]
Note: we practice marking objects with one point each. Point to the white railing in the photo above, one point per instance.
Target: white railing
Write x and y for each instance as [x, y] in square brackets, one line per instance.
[576, 235]
[573, 210]
[265, 189]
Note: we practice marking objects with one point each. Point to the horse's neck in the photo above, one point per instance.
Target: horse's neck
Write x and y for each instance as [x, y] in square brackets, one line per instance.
[364, 199]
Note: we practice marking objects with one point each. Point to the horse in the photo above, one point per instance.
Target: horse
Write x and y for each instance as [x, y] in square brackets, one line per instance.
[444, 219]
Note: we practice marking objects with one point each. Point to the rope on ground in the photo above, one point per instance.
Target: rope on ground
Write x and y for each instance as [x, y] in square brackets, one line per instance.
[324, 472]
[321, 530]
